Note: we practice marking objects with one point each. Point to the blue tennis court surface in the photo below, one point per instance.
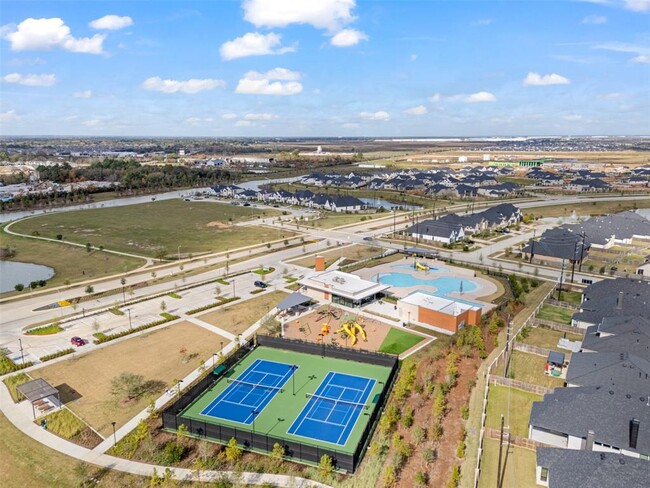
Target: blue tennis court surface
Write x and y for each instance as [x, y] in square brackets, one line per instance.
[334, 408]
[247, 395]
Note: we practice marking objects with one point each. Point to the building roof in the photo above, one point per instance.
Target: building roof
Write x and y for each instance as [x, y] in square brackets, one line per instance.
[558, 243]
[619, 371]
[614, 298]
[293, 300]
[37, 389]
[619, 334]
[576, 411]
[343, 284]
[437, 228]
[555, 357]
[570, 467]
[439, 304]
[624, 225]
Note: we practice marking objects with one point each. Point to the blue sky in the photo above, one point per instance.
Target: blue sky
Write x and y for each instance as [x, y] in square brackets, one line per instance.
[325, 68]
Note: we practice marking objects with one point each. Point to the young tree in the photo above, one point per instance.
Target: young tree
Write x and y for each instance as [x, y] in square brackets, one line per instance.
[325, 466]
[128, 385]
[233, 451]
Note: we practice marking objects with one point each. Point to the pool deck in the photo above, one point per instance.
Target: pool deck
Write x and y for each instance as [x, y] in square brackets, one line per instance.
[483, 287]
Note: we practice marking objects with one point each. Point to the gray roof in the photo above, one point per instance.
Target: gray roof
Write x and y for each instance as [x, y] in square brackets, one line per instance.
[618, 371]
[37, 389]
[293, 300]
[568, 468]
[559, 243]
[600, 300]
[576, 411]
[619, 334]
[555, 357]
[623, 225]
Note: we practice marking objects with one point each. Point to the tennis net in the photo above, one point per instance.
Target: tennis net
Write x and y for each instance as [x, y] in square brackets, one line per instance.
[336, 401]
[255, 385]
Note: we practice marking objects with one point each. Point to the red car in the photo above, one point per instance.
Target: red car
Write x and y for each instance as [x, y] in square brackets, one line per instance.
[77, 341]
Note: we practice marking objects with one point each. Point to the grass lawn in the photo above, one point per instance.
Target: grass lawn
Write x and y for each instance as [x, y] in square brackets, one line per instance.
[529, 368]
[239, 317]
[28, 463]
[85, 381]
[397, 341]
[513, 404]
[517, 181]
[356, 252]
[572, 297]
[148, 227]
[519, 468]
[547, 338]
[590, 208]
[69, 262]
[329, 220]
[556, 314]
[63, 423]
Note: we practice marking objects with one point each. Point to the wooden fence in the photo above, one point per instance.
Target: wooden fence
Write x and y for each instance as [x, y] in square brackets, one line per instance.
[557, 326]
[538, 351]
[515, 440]
[520, 385]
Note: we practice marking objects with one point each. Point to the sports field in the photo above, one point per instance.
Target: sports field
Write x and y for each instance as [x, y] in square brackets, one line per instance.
[306, 398]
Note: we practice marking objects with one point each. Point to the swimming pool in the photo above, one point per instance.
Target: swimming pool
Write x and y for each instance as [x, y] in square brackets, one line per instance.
[410, 267]
[444, 286]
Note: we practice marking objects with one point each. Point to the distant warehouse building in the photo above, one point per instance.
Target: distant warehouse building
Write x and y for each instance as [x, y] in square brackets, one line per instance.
[443, 313]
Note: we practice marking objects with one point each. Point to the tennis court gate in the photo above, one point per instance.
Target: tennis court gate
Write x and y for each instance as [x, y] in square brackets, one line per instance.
[298, 451]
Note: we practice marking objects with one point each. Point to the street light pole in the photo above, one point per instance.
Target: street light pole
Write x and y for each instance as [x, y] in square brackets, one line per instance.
[22, 356]
[130, 323]
[179, 253]
[114, 436]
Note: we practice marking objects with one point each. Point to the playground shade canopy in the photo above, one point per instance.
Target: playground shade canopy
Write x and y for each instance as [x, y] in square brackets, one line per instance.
[37, 389]
[293, 300]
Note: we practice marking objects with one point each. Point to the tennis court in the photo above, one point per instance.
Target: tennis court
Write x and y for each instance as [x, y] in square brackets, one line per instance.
[334, 408]
[248, 394]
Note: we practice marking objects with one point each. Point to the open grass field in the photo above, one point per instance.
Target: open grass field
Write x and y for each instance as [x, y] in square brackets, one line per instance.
[27, 463]
[590, 208]
[354, 253]
[529, 368]
[70, 263]
[277, 416]
[398, 341]
[556, 314]
[572, 297]
[240, 316]
[519, 468]
[157, 356]
[147, 228]
[547, 338]
[67, 425]
[329, 220]
[514, 405]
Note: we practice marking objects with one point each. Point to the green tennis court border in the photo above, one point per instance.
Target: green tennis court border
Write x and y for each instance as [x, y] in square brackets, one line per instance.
[314, 361]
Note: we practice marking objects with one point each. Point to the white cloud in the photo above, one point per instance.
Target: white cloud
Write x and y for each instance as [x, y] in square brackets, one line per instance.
[259, 116]
[254, 44]
[436, 97]
[111, 22]
[348, 37]
[83, 94]
[380, 115]
[229, 116]
[642, 58]
[594, 20]
[243, 123]
[9, 116]
[638, 5]
[419, 110]
[197, 121]
[480, 97]
[278, 81]
[321, 14]
[572, 118]
[610, 96]
[350, 125]
[413, 57]
[535, 79]
[482, 22]
[47, 34]
[191, 86]
[30, 80]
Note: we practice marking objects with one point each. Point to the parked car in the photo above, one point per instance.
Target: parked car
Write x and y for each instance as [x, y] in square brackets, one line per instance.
[260, 284]
[77, 341]
[367, 238]
[247, 204]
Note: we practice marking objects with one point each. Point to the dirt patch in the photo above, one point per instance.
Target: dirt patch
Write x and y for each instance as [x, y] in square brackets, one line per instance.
[218, 224]
[310, 326]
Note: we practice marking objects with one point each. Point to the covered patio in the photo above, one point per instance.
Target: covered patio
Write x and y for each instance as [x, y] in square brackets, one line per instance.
[38, 393]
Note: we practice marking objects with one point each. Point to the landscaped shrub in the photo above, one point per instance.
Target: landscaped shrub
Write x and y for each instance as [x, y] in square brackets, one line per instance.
[110, 337]
[58, 354]
[172, 453]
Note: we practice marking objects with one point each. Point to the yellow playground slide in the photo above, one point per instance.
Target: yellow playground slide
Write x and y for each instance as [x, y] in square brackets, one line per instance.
[421, 267]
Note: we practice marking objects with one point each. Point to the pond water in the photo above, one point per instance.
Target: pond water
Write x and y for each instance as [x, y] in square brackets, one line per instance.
[13, 272]
[380, 203]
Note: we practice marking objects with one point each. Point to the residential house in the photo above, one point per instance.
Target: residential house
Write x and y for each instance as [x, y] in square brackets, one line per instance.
[436, 231]
[619, 334]
[616, 371]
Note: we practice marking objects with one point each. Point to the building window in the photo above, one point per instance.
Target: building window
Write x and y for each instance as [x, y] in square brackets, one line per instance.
[544, 475]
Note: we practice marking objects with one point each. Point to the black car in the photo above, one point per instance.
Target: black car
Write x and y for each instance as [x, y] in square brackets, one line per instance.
[260, 284]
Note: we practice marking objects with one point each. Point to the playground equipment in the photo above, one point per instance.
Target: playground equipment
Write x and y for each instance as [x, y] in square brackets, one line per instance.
[353, 329]
[421, 267]
[325, 329]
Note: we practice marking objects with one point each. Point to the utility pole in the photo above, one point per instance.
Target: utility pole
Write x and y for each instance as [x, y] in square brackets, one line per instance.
[559, 293]
[22, 356]
[532, 247]
[582, 250]
[500, 454]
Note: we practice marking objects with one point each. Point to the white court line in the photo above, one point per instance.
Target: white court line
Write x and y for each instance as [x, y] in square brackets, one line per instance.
[370, 383]
[330, 375]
